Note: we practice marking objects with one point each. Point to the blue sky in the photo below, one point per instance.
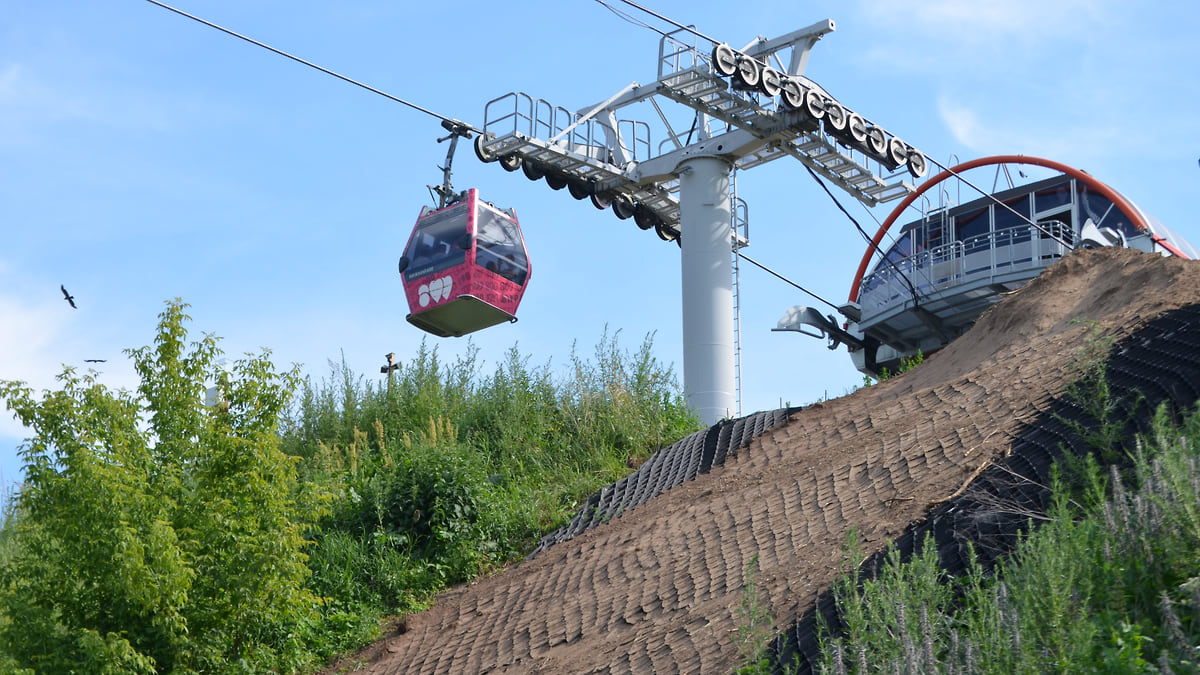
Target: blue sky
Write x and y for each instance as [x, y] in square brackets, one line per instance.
[145, 157]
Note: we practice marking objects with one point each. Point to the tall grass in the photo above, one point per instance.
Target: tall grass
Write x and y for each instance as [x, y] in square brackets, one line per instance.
[1111, 586]
[439, 472]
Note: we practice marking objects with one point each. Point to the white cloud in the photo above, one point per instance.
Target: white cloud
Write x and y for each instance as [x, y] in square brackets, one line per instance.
[23, 93]
[990, 129]
[982, 41]
[964, 125]
[35, 98]
[26, 335]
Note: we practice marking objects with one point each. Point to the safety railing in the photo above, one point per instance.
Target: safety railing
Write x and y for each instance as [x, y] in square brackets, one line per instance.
[518, 115]
[1007, 252]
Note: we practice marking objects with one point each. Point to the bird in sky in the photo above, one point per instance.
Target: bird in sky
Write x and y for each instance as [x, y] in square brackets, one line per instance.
[70, 298]
[95, 360]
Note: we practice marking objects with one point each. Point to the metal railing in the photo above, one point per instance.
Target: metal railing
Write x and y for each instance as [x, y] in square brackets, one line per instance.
[518, 115]
[982, 257]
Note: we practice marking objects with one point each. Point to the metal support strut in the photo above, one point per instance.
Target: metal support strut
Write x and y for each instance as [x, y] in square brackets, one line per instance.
[708, 352]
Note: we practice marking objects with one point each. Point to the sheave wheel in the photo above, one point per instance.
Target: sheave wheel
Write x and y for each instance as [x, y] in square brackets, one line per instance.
[724, 60]
[532, 171]
[622, 207]
[578, 189]
[556, 181]
[748, 72]
[481, 152]
[770, 82]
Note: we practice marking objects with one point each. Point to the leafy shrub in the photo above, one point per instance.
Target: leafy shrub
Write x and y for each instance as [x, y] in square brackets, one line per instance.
[441, 473]
[155, 534]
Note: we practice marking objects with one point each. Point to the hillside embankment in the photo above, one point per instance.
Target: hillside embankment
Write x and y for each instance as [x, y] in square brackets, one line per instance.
[659, 588]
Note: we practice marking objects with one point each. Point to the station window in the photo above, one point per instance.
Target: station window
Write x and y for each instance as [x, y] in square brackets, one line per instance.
[1103, 212]
[970, 228]
[1050, 198]
[1016, 215]
[897, 252]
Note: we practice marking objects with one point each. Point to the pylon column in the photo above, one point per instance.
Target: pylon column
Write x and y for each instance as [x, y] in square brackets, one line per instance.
[704, 222]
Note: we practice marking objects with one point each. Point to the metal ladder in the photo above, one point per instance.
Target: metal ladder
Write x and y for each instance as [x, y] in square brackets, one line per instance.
[740, 217]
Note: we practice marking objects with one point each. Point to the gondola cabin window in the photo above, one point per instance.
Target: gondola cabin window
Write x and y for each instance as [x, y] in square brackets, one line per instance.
[434, 245]
[499, 246]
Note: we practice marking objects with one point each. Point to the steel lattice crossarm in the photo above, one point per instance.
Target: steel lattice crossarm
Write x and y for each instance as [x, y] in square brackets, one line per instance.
[768, 108]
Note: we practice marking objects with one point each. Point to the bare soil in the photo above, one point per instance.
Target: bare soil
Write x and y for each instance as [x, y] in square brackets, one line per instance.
[658, 590]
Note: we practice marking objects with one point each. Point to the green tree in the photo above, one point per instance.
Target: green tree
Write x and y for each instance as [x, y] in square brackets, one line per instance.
[158, 534]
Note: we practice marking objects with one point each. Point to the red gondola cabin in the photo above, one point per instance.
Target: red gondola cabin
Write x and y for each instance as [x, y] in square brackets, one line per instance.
[465, 268]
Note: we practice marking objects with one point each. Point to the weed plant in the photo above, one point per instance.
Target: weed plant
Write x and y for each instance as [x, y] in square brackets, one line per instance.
[441, 473]
[8, 548]
[1113, 586]
[1109, 582]
[756, 626]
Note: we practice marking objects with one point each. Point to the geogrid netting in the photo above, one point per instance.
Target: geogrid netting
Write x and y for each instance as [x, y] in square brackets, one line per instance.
[1158, 365]
[959, 448]
[683, 461]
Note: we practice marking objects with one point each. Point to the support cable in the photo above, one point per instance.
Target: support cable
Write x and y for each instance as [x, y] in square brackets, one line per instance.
[779, 276]
[310, 64]
[883, 256]
[627, 17]
[993, 197]
[656, 15]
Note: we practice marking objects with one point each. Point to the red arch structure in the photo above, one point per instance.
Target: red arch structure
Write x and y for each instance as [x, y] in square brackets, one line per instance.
[1123, 204]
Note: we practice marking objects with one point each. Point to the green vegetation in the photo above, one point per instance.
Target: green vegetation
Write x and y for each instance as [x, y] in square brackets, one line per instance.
[1113, 587]
[280, 525]
[907, 363]
[1108, 582]
[283, 523]
[756, 627]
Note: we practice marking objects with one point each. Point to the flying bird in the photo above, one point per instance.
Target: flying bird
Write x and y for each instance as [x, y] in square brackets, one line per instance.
[95, 360]
[70, 298]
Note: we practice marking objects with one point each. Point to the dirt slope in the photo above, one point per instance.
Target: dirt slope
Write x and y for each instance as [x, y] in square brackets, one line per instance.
[658, 589]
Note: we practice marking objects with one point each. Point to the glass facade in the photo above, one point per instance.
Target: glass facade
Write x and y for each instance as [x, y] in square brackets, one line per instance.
[1016, 215]
[1053, 197]
[986, 236]
[1102, 212]
[969, 226]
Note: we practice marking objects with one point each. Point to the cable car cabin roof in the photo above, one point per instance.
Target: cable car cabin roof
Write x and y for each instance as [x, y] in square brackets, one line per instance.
[464, 268]
[945, 269]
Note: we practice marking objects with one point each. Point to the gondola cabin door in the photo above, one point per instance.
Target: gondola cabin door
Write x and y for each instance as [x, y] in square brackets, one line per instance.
[465, 268]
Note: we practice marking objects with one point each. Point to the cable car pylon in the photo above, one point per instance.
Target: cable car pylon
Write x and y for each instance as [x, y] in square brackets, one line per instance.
[763, 108]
